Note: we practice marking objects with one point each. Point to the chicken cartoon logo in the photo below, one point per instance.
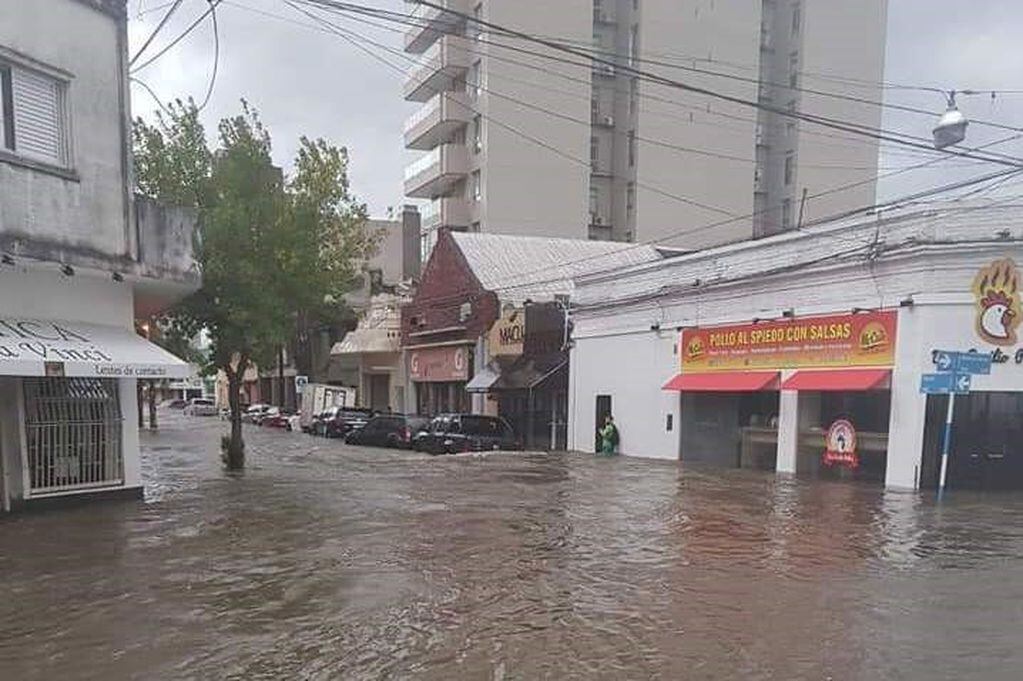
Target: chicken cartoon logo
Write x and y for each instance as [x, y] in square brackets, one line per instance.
[873, 337]
[694, 348]
[996, 288]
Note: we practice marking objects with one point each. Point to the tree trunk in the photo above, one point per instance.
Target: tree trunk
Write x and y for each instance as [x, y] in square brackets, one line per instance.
[152, 405]
[282, 402]
[234, 453]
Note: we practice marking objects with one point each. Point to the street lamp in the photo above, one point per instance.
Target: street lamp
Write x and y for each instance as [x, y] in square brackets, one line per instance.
[951, 128]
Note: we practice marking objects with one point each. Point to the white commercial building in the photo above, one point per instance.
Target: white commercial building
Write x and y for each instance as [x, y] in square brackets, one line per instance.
[82, 258]
[805, 352]
[523, 139]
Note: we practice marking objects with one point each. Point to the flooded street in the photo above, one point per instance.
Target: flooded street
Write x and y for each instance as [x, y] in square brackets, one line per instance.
[324, 561]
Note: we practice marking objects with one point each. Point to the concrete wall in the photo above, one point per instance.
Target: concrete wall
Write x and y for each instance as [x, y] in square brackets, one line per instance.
[529, 189]
[844, 40]
[697, 29]
[89, 211]
[631, 368]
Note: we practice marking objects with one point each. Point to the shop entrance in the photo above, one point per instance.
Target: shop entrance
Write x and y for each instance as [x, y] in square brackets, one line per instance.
[987, 442]
[730, 429]
[867, 411]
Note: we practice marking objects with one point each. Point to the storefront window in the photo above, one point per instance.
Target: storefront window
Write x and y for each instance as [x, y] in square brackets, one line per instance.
[867, 411]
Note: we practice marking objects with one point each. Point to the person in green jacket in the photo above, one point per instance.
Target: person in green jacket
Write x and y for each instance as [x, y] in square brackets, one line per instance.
[609, 437]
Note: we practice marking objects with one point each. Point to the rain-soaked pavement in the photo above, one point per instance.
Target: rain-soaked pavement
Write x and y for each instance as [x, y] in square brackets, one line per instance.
[328, 562]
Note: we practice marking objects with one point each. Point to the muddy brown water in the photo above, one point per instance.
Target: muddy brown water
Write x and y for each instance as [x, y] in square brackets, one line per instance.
[328, 562]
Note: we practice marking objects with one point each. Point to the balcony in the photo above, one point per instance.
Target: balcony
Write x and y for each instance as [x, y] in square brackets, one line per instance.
[437, 171]
[438, 68]
[438, 120]
[429, 23]
[447, 211]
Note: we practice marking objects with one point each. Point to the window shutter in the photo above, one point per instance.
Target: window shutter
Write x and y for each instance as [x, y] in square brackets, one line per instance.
[38, 116]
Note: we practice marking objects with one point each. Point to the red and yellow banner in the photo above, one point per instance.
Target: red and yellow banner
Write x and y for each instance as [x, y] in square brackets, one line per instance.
[866, 339]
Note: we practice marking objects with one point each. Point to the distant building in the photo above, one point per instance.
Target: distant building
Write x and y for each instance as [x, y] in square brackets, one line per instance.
[473, 287]
[522, 139]
[82, 258]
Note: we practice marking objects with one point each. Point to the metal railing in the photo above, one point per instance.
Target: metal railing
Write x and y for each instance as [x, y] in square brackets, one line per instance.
[73, 434]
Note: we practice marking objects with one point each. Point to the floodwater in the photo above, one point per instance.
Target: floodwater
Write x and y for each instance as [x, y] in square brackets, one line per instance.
[323, 561]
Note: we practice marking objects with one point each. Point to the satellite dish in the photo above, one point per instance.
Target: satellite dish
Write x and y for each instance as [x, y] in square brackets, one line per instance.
[951, 128]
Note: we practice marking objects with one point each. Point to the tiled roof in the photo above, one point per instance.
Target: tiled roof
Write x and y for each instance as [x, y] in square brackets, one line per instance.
[517, 268]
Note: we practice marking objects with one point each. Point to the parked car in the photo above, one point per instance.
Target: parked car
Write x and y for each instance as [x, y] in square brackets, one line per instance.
[282, 420]
[344, 419]
[255, 412]
[388, 430]
[450, 433]
[268, 413]
[175, 404]
[201, 406]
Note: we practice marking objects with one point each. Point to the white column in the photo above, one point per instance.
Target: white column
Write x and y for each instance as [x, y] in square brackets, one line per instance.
[130, 432]
[909, 407]
[788, 429]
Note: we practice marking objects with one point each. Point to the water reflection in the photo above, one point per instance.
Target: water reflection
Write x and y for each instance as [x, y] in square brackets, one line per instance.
[325, 562]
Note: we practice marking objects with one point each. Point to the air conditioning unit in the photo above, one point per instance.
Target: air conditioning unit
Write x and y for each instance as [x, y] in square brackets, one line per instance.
[606, 69]
[609, 121]
[464, 312]
[596, 219]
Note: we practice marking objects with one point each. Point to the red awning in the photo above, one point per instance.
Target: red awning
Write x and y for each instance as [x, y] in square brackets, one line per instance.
[838, 379]
[725, 382]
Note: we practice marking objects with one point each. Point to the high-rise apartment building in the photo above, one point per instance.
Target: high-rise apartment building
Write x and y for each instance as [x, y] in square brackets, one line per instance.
[524, 139]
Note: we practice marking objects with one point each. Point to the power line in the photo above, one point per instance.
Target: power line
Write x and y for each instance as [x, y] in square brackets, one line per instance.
[216, 58]
[152, 94]
[877, 133]
[212, 7]
[159, 27]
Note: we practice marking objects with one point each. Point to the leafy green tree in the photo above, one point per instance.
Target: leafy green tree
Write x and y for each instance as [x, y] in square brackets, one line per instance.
[276, 253]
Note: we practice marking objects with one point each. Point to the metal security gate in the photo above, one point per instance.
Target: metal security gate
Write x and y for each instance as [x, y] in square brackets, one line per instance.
[73, 434]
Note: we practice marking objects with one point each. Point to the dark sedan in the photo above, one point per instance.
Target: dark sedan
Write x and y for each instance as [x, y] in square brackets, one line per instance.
[452, 433]
[389, 430]
[344, 420]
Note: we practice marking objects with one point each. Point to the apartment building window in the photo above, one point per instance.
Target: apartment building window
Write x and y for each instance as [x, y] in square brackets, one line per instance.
[790, 129]
[477, 186]
[594, 109]
[477, 133]
[594, 150]
[594, 200]
[786, 214]
[474, 83]
[632, 148]
[792, 106]
[630, 197]
[796, 18]
[33, 122]
[794, 70]
[633, 95]
[790, 168]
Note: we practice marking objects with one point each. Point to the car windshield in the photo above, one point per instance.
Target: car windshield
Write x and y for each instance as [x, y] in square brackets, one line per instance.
[354, 415]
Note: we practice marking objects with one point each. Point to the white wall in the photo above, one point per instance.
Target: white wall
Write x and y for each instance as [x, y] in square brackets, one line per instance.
[631, 368]
[40, 291]
[527, 188]
[90, 213]
[689, 32]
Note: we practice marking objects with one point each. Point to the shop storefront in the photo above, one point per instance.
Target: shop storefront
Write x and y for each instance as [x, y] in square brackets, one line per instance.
[67, 407]
[838, 367]
[526, 378]
[439, 374]
[820, 369]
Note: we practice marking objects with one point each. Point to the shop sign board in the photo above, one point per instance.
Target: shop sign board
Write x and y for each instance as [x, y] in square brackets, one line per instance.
[508, 334]
[866, 339]
[945, 384]
[840, 445]
[441, 364]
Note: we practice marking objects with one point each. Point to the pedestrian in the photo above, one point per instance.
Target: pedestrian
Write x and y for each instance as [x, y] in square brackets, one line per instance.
[608, 437]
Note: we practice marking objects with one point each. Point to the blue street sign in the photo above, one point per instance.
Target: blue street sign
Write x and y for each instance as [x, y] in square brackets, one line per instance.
[949, 361]
[944, 384]
[974, 363]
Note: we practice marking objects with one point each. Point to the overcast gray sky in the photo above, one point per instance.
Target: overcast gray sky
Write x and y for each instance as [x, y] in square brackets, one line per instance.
[311, 82]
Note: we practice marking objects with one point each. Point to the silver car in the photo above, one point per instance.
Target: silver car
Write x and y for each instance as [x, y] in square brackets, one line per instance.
[201, 406]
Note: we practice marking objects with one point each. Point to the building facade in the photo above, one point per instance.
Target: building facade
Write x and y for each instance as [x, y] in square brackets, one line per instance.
[82, 258]
[485, 330]
[522, 139]
[807, 353]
